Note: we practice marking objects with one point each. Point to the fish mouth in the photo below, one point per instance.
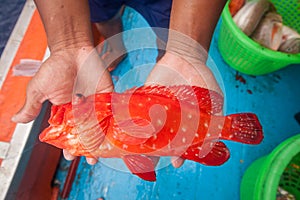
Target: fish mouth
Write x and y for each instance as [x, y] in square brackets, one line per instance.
[58, 137]
[51, 133]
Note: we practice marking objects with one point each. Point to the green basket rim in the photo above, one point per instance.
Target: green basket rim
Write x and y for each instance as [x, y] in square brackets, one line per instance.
[254, 46]
[276, 161]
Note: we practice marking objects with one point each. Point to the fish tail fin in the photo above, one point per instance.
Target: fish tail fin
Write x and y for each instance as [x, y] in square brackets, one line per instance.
[212, 154]
[242, 127]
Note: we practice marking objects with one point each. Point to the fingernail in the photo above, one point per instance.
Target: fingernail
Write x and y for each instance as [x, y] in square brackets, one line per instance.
[14, 119]
[78, 99]
[177, 162]
[91, 161]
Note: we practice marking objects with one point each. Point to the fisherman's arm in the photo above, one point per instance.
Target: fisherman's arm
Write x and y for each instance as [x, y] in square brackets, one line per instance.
[67, 32]
[196, 18]
[70, 42]
[192, 25]
[66, 23]
[184, 62]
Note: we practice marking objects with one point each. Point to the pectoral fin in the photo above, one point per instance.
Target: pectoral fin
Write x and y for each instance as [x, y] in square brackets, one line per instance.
[142, 166]
[133, 131]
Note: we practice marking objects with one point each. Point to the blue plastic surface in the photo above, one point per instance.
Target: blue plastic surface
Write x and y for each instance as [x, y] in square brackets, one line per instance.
[274, 98]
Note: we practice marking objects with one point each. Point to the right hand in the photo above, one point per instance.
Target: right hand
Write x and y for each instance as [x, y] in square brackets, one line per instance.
[173, 69]
[55, 81]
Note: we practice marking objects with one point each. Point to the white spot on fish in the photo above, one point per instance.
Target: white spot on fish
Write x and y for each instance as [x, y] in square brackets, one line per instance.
[196, 135]
[149, 99]
[102, 147]
[220, 127]
[183, 129]
[208, 135]
[183, 140]
[159, 122]
[125, 146]
[205, 124]
[109, 147]
[72, 142]
[199, 148]
[166, 107]
[186, 153]
[171, 130]
[70, 136]
[140, 104]
[189, 116]
[154, 136]
[196, 154]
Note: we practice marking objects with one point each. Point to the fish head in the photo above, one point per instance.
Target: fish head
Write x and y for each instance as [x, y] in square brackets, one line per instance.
[249, 16]
[290, 41]
[269, 31]
[291, 46]
[76, 126]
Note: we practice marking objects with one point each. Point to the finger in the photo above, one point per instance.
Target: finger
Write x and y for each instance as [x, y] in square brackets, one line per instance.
[154, 159]
[68, 155]
[177, 161]
[91, 161]
[31, 108]
[92, 77]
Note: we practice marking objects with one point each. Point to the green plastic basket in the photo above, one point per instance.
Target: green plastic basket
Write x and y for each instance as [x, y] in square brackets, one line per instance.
[249, 57]
[280, 168]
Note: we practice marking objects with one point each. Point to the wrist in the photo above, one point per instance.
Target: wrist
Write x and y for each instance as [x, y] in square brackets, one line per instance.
[77, 54]
[75, 41]
[66, 22]
[185, 47]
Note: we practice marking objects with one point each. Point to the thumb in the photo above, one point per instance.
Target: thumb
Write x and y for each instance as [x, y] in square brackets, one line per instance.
[31, 107]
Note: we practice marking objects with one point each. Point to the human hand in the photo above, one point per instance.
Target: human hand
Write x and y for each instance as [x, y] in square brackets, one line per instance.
[172, 69]
[64, 73]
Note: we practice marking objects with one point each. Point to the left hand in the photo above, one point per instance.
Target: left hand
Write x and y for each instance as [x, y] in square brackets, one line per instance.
[174, 70]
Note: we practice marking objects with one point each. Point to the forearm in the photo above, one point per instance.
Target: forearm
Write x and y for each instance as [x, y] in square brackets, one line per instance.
[196, 18]
[66, 23]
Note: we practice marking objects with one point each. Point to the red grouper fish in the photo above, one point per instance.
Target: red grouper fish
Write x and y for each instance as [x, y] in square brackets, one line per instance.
[148, 121]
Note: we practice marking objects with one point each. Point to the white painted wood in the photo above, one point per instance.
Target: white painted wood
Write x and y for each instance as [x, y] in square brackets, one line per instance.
[11, 152]
[3, 149]
[10, 163]
[15, 39]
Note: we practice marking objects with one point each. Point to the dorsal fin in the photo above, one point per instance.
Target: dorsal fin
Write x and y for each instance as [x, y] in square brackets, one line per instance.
[208, 100]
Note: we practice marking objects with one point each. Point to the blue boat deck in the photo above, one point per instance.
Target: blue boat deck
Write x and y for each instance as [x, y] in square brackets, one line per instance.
[274, 98]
